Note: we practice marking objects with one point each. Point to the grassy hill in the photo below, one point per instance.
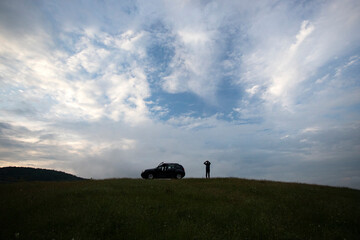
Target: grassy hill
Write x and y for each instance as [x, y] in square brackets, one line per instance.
[177, 209]
[19, 174]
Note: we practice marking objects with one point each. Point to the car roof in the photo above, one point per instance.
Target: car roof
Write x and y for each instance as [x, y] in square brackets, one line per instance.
[169, 164]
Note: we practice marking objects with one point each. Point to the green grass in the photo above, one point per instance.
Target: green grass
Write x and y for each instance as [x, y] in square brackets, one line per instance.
[184, 209]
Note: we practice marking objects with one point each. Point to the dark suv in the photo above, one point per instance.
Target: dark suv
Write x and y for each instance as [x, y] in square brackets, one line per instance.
[165, 170]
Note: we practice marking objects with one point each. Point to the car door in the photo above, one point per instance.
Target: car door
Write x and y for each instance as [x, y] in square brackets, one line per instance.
[162, 171]
[170, 173]
[157, 172]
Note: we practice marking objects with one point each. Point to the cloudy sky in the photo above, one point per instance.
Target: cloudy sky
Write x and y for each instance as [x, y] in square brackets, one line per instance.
[262, 89]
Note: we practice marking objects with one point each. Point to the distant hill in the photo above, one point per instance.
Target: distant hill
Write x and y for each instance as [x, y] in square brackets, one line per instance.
[20, 174]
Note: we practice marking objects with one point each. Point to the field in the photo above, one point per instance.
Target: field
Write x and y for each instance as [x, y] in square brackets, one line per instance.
[223, 208]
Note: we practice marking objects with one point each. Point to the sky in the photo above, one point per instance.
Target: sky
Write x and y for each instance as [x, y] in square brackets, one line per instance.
[105, 89]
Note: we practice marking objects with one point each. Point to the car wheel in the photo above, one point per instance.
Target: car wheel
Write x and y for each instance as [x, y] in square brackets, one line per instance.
[150, 176]
[178, 176]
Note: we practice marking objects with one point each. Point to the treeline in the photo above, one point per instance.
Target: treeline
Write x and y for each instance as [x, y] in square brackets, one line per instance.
[20, 174]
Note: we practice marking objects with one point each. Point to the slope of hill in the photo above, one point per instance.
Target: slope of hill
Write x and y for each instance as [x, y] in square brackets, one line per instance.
[19, 174]
[177, 209]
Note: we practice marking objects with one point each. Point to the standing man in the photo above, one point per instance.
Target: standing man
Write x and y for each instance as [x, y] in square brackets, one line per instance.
[207, 164]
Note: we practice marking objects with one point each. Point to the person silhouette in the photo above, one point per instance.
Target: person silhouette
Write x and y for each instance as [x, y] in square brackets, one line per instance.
[207, 164]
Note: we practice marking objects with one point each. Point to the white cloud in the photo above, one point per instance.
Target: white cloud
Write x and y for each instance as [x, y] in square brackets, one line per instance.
[78, 95]
[310, 130]
[191, 67]
[89, 58]
[195, 38]
[197, 41]
[253, 90]
[127, 94]
[286, 71]
[282, 61]
[306, 29]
